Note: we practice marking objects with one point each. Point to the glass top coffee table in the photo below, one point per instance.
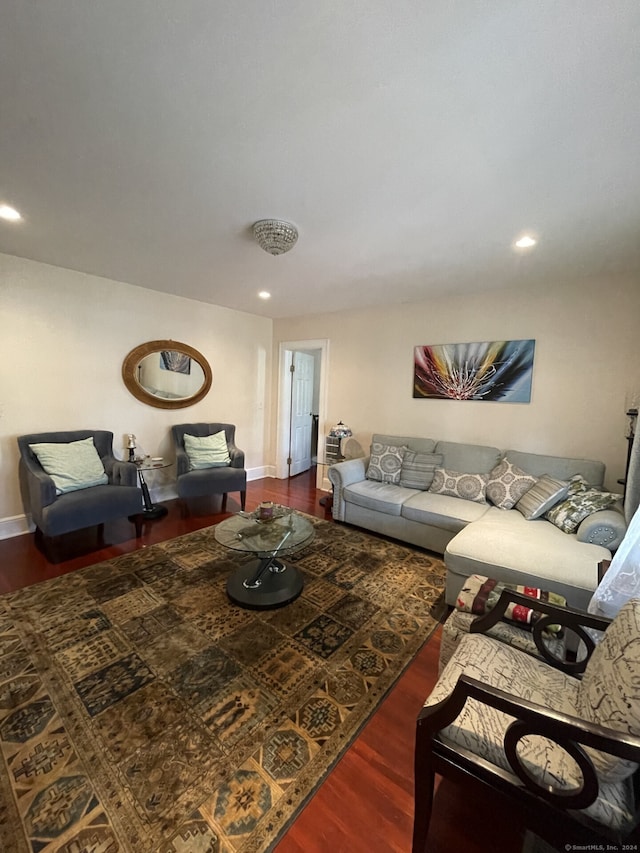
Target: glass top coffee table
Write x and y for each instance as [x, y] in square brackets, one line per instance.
[266, 581]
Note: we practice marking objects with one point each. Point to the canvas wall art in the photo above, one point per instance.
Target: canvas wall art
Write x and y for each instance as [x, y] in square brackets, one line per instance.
[498, 371]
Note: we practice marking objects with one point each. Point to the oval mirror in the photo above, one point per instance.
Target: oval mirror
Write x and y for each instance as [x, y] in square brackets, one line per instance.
[167, 374]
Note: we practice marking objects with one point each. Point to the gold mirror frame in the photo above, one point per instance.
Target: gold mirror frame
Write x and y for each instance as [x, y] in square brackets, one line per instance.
[132, 361]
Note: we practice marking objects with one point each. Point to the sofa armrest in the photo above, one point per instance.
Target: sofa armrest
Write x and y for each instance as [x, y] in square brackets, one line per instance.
[344, 474]
[605, 527]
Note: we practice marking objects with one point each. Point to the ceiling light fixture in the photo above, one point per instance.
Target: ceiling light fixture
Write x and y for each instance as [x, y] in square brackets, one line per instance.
[275, 236]
[9, 213]
[264, 294]
[526, 242]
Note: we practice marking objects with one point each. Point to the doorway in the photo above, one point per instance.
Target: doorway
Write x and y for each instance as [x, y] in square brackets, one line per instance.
[302, 394]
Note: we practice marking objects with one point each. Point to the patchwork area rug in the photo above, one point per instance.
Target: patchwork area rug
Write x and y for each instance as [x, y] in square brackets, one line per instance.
[141, 711]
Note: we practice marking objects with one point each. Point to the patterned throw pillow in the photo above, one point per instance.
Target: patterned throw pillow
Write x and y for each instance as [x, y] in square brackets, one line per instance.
[418, 469]
[541, 497]
[470, 487]
[580, 502]
[507, 484]
[385, 464]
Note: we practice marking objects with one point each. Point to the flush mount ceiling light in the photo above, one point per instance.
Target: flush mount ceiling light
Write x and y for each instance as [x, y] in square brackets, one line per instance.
[9, 213]
[275, 236]
[526, 242]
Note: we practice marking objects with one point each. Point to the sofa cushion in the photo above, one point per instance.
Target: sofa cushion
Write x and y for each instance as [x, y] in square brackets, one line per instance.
[420, 445]
[560, 467]
[504, 541]
[418, 469]
[507, 484]
[441, 511]
[382, 497]
[457, 484]
[385, 463]
[541, 497]
[473, 458]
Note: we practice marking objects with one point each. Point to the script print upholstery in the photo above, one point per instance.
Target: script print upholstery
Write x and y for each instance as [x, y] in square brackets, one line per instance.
[459, 623]
[610, 690]
[480, 728]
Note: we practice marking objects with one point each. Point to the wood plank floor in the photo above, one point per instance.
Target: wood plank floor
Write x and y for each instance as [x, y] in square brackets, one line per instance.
[365, 805]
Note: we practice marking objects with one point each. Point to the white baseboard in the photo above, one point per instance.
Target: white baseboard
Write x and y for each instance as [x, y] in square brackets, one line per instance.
[16, 525]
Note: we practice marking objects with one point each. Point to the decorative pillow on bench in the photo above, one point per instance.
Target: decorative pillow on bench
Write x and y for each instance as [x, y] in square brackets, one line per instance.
[479, 595]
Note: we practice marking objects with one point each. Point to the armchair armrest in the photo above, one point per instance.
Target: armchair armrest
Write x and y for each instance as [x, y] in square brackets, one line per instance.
[37, 487]
[570, 733]
[605, 527]
[344, 474]
[567, 617]
[182, 461]
[120, 473]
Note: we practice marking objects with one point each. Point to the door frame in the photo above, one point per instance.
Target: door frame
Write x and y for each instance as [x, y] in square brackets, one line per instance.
[284, 396]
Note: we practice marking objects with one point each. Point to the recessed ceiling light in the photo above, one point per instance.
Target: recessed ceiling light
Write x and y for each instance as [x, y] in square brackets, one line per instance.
[526, 241]
[9, 213]
[264, 294]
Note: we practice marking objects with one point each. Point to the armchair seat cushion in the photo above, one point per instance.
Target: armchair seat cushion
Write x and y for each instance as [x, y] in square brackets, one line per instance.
[458, 624]
[480, 728]
[86, 507]
[197, 483]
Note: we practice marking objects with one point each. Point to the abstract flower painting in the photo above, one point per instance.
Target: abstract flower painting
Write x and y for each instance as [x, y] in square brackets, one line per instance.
[499, 371]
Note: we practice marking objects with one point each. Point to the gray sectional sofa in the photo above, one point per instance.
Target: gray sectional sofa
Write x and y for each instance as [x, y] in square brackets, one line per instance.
[478, 537]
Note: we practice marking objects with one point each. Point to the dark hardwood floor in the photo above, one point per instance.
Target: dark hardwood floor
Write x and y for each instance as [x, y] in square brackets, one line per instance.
[365, 805]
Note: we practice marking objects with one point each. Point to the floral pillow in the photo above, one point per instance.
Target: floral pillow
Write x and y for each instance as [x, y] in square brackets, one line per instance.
[581, 501]
[470, 487]
[507, 484]
[385, 464]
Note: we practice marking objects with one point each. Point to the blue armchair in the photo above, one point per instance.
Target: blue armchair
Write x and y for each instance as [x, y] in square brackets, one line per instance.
[56, 514]
[209, 481]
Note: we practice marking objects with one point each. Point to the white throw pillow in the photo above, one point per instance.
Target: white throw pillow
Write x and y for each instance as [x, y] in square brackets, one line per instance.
[71, 466]
[207, 451]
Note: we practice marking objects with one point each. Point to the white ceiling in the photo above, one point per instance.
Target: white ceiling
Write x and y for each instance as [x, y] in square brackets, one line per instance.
[410, 141]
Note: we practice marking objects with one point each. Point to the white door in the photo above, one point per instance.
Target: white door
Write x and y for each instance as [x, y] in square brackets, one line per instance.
[301, 412]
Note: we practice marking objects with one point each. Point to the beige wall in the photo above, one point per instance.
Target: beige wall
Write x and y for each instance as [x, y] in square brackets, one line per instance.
[587, 364]
[63, 337]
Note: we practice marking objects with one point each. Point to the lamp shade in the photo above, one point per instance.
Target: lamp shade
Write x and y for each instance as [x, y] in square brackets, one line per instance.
[340, 430]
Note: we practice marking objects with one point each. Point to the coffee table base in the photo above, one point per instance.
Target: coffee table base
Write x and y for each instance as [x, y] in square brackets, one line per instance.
[276, 584]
